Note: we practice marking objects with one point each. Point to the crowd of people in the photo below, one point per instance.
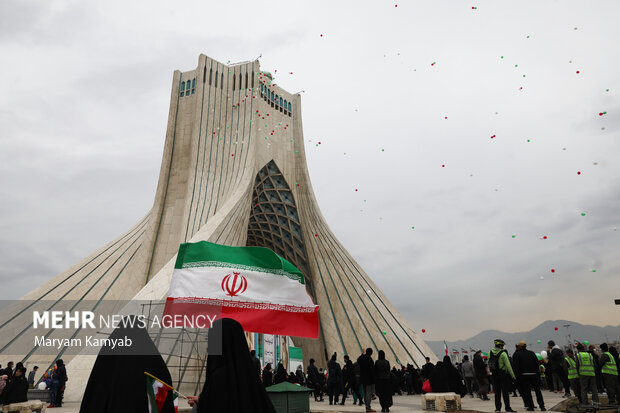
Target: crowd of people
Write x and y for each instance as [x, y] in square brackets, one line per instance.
[523, 372]
[558, 370]
[14, 384]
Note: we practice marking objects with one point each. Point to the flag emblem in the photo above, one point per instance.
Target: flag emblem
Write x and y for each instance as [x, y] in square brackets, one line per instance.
[235, 284]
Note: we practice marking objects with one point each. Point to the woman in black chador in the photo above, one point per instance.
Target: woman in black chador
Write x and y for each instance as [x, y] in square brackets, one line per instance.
[117, 381]
[281, 375]
[384, 386]
[231, 383]
[267, 375]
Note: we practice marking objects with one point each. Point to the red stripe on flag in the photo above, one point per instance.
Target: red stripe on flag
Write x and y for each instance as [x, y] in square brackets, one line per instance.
[295, 322]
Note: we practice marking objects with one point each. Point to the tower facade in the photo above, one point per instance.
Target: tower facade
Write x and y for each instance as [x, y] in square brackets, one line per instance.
[233, 172]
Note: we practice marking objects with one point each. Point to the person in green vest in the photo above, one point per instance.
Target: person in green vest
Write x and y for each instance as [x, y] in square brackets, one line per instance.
[610, 374]
[570, 369]
[587, 374]
[502, 375]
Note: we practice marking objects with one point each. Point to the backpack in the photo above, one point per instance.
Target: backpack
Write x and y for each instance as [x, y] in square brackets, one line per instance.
[494, 361]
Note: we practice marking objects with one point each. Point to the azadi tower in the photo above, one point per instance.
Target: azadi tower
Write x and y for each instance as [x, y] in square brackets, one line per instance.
[233, 172]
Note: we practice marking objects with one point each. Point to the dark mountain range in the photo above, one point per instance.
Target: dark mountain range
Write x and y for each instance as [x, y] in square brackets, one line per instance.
[544, 332]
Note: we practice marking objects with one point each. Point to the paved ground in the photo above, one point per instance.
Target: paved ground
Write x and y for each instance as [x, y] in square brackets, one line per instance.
[401, 404]
[414, 404]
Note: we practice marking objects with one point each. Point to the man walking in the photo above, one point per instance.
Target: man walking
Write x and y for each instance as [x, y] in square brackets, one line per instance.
[334, 380]
[348, 376]
[358, 394]
[427, 369]
[314, 381]
[480, 368]
[467, 369]
[31, 377]
[587, 374]
[528, 376]
[570, 369]
[556, 358]
[62, 380]
[367, 367]
[502, 375]
[609, 369]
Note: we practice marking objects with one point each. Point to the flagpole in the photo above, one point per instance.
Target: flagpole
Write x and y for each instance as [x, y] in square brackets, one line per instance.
[166, 384]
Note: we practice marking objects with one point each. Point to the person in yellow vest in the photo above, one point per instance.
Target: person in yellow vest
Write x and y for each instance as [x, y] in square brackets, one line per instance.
[570, 368]
[587, 374]
[610, 374]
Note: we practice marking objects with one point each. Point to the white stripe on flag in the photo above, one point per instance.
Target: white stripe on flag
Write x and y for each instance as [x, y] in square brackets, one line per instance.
[260, 286]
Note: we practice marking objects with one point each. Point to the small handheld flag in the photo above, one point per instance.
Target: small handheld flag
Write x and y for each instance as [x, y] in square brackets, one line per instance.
[157, 392]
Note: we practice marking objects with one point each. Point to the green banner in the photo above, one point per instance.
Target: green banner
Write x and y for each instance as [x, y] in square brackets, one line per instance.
[295, 353]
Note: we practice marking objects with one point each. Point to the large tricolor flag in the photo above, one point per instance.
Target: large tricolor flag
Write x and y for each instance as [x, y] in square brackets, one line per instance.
[253, 285]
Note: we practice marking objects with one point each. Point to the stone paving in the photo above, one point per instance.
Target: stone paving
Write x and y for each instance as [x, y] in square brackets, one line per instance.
[401, 404]
[414, 404]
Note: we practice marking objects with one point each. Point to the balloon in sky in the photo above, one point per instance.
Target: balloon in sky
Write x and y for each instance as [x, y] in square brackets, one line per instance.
[424, 330]
[586, 342]
[555, 328]
[539, 341]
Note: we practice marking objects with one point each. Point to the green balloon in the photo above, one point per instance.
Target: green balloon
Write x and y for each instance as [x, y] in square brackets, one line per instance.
[539, 341]
[384, 332]
[586, 342]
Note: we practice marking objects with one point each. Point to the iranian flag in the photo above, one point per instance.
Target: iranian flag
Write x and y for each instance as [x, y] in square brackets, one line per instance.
[157, 392]
[253, 285]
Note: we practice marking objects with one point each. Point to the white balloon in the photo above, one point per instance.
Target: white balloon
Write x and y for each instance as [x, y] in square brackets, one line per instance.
[42, 386]
[543, 354]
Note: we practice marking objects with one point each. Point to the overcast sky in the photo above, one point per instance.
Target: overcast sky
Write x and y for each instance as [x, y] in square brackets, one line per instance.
[404, 97]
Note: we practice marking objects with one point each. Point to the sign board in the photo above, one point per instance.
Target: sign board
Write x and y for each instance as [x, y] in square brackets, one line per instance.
[295, 358]
[269, 350]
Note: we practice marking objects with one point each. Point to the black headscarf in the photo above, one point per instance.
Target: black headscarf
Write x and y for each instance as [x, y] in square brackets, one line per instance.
[117, 382]
[267, 375]
[16, 390]
[231, 383]
[453, 377]
[281, 374]
[439, 379]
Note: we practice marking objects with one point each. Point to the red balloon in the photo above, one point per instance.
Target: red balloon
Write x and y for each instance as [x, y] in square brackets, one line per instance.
[552, 270]
[555, 328]
[423, 330]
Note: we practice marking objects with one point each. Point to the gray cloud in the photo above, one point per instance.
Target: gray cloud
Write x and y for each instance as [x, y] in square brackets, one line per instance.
[84, 97]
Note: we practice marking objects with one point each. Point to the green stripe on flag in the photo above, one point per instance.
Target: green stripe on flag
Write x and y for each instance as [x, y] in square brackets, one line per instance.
[151, 395]
[208, 254]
